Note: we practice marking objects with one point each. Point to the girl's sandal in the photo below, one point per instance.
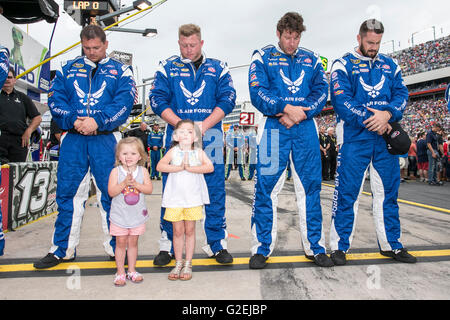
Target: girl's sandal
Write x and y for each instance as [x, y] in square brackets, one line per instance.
[186, 273]
[120, 280]
[175, 273]
[135, 277]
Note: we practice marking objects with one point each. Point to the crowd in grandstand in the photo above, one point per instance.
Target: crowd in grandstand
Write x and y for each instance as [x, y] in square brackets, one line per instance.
[424, 57]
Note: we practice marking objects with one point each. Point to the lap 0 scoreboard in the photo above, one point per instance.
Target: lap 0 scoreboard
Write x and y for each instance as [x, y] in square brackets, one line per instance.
[83, 11]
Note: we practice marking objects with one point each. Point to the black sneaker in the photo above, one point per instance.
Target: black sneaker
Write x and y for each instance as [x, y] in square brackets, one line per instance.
[401, 255]
[50, 260]
[338, 257]
[223, 256]
[162, 259]
[257, 261]
[322, 260]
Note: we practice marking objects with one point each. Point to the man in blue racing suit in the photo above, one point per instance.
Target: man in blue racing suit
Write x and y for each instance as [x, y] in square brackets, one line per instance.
[201, 89]
[367, 93]
[4, 69]
[288, 85]
[235, 142]
[155, 143]
[90, 97]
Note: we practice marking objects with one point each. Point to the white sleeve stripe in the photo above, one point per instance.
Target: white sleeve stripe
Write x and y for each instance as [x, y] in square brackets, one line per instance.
[224, 71]
[337, 65]
[127, 73]
[257, 56]
[162, 70]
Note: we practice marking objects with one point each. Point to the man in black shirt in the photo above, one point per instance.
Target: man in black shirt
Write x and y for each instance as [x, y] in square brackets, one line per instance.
[324, 146]
[332, 153]
[15, 108]
[433, 153]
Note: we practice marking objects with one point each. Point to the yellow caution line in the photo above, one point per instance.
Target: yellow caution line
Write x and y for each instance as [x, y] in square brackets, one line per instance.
[417, 204]
[211, 262]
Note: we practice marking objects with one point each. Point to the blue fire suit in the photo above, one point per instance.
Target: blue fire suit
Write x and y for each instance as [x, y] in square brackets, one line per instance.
[107, 96]
[275, 80]
[358, 82]
[193, 94]
[235, 139]
[4, 67]
[155, 139]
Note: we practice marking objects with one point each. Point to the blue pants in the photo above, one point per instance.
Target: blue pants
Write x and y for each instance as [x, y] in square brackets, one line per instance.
[155, 156]
[354, 159]
[230, 161]
[433, 164]
[80, 158]
[278, 144]
[252, 152]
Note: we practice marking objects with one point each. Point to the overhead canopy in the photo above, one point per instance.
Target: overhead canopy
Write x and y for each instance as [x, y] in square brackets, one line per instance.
[30, 11]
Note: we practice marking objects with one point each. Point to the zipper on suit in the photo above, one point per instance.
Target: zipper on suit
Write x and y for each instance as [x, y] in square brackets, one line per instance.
[88, 105]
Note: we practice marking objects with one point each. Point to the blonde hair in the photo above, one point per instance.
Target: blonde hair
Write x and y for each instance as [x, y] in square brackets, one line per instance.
[187, 30]
[139, 146]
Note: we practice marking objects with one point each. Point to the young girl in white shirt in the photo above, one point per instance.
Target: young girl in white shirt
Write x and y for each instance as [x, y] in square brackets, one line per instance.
[185, 192]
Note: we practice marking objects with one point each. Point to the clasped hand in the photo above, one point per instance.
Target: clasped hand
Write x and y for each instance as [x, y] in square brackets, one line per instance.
[86, 126]
[292, 115]
[378, 122]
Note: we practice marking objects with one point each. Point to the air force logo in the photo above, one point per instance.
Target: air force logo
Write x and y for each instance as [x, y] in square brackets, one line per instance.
[293, 86]
[93, 99]
[373, 91]
[192, 98]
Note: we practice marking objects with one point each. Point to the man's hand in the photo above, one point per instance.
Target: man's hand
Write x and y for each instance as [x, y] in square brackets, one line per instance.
[26, 138]
[296, 113]
[86, 126]
[378, 122]
[285, 120]
[201, 126]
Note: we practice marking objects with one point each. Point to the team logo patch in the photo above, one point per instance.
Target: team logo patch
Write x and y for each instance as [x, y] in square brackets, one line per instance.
[293, 86]
[113, 72]
[84, 97]
[192, 97]
[373, 91]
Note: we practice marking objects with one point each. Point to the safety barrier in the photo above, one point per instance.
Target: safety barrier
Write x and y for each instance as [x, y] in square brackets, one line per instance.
[27, 192]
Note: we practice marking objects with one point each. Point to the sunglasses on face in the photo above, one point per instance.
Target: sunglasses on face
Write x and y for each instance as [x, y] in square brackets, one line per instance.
[10, 77]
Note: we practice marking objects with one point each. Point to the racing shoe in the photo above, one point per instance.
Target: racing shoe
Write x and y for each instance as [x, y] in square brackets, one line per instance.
[162, 259]
[50, 260]
[257, 261]
[401, 255]
[222, 256]
[338, 257]
[322, 260]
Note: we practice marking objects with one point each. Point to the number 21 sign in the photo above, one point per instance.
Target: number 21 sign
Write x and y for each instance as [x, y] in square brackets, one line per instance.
[247, 119]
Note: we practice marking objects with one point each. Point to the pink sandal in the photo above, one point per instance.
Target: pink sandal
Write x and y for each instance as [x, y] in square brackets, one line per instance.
[135, 277]
[120, 280]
